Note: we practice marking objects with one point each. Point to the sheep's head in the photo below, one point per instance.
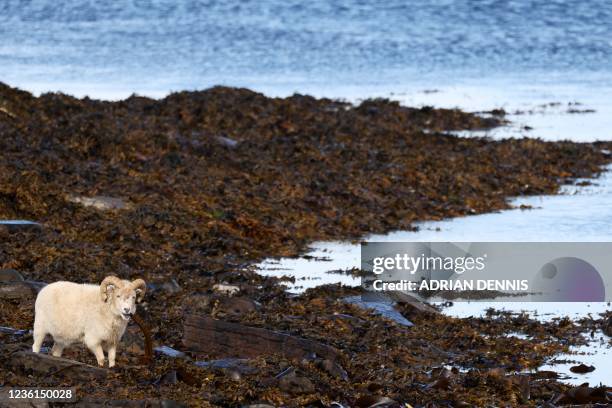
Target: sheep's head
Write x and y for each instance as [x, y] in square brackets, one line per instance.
[122, 295]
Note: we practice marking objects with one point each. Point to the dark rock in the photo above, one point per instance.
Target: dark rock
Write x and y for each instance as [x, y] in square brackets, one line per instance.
[334, 369]
[236, 306]
[582, 369]
[168, 378]
[17, 290]
[293, 383]
[10, 275]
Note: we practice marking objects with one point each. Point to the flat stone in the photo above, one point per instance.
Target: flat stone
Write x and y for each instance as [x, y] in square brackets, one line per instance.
[16, 290]
[101, 202]
[10, 275]
[236, 306]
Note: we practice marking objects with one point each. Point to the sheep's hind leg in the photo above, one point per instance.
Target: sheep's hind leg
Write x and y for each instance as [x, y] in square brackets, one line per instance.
[57, 349]
[96, 348]
[39, 337]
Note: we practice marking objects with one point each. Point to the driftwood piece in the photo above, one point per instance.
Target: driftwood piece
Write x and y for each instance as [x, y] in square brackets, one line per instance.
[224, 339]
[148, 342]
[49, 366]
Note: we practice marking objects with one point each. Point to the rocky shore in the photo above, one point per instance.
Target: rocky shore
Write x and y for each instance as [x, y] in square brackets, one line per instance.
[189, 191]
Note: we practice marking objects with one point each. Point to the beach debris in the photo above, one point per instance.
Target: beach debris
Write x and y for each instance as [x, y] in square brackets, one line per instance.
[225, 289]
[14, 226]
[103, 203]
[7, 112]
[375, 401]
[226, 141]
[14, 332]
[169, 351]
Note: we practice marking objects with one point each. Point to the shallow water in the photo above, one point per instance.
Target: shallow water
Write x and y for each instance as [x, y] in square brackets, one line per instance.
[578, 214]
[478, 55]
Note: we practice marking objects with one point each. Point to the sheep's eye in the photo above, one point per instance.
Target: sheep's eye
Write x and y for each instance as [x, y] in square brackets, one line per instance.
[118, 296]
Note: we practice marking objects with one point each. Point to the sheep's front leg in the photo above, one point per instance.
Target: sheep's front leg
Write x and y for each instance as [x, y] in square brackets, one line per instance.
[112, 352]
[96, 348]
[57, 349]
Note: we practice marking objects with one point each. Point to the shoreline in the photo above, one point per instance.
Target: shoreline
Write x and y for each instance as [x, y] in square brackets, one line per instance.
[209, 182]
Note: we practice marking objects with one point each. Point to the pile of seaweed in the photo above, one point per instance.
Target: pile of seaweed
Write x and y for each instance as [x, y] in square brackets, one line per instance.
[191, 190]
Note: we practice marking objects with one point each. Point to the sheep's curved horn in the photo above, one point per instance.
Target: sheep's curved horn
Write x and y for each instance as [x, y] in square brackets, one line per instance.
[109, 280]
[140, 287]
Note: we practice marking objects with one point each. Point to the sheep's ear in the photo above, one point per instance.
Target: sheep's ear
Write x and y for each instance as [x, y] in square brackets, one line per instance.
[140, 287]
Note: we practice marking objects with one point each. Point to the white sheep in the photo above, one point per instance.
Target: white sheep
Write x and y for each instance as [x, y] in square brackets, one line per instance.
[94, 315]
